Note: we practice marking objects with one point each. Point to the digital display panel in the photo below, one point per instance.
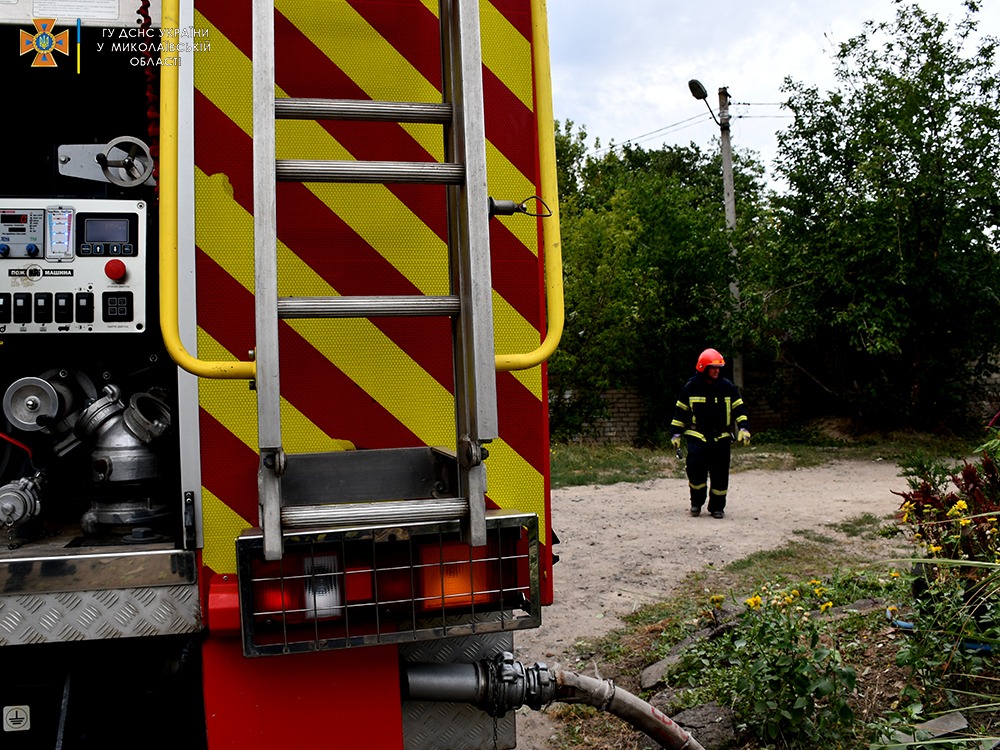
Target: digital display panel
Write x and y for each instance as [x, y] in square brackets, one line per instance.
[106, 230]
[13, 219]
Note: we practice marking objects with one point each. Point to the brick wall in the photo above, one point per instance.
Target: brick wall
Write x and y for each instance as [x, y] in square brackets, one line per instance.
[625, 412]
[773, 398]
[774, 401]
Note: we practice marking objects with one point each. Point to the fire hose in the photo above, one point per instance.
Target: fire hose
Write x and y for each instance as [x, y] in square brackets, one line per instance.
[502, 684]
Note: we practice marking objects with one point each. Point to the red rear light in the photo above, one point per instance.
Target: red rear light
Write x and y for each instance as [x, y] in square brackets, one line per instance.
[336, 589]
[278, 591]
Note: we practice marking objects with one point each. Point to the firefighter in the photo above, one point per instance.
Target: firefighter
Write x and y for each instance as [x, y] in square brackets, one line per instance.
[708, 412]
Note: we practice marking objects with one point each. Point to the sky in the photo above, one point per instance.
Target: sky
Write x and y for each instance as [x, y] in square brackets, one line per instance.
[621, 69]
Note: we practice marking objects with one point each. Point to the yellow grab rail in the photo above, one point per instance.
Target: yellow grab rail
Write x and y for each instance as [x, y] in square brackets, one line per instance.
[551, 243]
[169, 286]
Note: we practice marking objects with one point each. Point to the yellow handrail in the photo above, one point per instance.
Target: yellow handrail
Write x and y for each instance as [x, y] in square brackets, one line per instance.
[551, 244]
[169, 286]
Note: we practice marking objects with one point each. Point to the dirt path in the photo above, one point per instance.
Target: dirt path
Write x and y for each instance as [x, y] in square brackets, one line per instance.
[625, 545]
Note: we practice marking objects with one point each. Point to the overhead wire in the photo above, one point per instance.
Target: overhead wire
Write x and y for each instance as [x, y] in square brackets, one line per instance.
[690, 122]
[679, 125]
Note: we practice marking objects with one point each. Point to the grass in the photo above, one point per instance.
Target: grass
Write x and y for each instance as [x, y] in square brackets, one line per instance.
[576, 464]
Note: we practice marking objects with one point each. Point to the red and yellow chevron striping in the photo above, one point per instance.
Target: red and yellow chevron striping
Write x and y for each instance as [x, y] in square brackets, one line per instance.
[359, 383]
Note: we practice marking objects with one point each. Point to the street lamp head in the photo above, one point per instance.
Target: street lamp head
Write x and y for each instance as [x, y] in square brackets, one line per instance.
[698, 91]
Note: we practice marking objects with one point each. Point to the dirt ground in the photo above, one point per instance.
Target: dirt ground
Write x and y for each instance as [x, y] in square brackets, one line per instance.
[625, 545]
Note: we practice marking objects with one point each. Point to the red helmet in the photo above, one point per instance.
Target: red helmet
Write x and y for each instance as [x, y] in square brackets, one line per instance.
[709, 358]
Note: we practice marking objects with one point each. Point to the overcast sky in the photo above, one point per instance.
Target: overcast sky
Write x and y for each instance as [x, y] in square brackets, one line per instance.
[621, 68]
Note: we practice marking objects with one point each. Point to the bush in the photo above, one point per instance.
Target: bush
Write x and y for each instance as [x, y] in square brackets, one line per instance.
[780, 670]
[952, 517]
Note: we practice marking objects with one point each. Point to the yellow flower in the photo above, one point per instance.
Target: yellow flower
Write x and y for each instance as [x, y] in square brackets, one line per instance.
[894, 574]
[825, 606]
[965, 522]
[716, 600]
[815, 582]
[795, 592]
[819, 591]
[960, 505]
[753, 602]
[934, 548]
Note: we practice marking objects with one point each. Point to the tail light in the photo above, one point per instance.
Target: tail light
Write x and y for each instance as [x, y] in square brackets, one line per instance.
[360, 586]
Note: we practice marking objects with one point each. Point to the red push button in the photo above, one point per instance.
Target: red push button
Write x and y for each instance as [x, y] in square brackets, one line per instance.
[115, 270]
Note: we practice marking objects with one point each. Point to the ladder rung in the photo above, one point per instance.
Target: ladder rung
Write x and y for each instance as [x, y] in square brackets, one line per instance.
[389, 511]
[369, 307]
[362, 109]
[306, 170]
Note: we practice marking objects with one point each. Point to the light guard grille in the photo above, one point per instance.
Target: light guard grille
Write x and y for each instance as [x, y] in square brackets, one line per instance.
[361, 586]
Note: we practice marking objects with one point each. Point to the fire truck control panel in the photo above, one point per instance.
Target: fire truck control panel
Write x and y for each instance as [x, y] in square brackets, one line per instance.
[73, 267]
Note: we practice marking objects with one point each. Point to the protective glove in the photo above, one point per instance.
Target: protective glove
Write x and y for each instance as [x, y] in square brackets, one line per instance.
[743, 438]
[676, 441]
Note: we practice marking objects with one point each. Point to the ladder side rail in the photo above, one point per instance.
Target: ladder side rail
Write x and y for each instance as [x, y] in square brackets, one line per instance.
[266, 280]
[465, 143]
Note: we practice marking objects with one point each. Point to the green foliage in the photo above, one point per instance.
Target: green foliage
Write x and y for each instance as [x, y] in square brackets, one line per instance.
[867, 526]
[920, 468]
[953, 518]
[780, 668]
[876, 273]
[647, 267]
[947, 656]
[958, 523]
[992, 445]
[873, 277]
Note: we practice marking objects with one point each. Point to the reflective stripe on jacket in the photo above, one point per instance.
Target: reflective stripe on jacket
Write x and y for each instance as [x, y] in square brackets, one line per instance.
[709, 410]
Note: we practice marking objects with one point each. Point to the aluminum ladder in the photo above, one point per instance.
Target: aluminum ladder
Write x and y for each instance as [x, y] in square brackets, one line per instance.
[410, 484]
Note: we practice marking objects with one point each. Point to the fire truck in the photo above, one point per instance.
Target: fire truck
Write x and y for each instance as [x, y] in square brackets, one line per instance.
[277, 283]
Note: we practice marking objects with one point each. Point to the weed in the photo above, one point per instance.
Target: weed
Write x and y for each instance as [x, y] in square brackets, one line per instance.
[866, 526]
[813, 536]
[779, 668]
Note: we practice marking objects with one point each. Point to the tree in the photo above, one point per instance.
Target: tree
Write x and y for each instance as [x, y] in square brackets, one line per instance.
[881, 277]
[647, 268]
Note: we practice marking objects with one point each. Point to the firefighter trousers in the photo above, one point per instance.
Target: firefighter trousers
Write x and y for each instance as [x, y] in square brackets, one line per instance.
[708, 462]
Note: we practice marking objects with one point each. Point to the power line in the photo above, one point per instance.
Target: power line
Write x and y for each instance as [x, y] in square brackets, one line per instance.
[680, 125]
[690, 122]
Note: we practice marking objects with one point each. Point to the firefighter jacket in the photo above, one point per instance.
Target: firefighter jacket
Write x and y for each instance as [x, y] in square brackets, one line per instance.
[709, 410]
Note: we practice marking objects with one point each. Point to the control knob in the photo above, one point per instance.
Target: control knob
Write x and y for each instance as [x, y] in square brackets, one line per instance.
[32, 249]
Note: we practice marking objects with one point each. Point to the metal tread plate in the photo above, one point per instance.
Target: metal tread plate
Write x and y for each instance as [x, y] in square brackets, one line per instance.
[98, 615]
[457, 726]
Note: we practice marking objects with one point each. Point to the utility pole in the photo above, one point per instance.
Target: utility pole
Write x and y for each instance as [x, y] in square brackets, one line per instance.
[729, 198]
